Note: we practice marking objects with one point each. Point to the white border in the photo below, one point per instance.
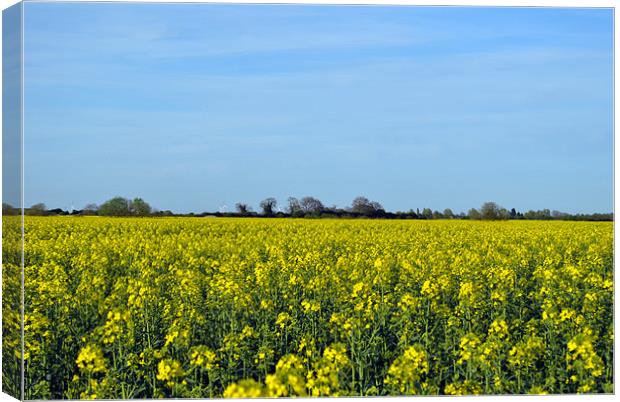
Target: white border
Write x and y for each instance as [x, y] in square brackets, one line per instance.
[482, 3]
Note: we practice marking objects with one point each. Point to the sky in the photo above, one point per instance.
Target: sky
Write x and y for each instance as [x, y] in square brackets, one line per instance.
[11, 104]
[194, 107]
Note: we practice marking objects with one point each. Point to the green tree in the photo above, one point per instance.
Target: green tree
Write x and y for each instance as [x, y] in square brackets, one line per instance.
[473, 214]
[117, 206]
[139, 207]
[427, 213]
[513, 213]
[37, 209]
[8, 209]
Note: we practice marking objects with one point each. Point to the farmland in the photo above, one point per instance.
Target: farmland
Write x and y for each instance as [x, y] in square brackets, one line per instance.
[209, 307]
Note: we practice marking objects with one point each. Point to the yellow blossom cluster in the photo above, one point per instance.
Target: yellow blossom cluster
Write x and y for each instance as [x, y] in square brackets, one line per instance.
[90, 359]
[407, 371]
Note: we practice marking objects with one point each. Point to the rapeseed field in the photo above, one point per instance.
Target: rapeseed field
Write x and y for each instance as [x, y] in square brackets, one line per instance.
[210, 307]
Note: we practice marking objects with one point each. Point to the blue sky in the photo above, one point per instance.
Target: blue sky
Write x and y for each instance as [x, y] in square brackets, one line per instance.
[193, 107]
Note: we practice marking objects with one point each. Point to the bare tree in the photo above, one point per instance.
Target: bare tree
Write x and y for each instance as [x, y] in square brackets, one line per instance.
[311, 205]
[490, 211]
[360, 204]
[268, 205]
[294, 207]
[242, 208]
[364, 206]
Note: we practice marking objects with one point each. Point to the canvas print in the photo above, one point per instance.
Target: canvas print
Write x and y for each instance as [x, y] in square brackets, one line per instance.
[271, 200]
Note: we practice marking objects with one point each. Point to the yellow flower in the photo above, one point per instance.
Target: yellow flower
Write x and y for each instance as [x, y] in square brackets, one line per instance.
[407, 370]
[283, 319]
[202, 356]
[244, 389]
[168, 370]
[90, 359]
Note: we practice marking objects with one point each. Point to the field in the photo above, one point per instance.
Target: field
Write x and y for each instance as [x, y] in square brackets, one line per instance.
[205, 307]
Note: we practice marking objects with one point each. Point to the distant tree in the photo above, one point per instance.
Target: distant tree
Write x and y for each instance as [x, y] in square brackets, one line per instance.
[448, 214]
[437, 215]
[376, 206]
[473, 214]
[544, 214]
[242, 208]
[427, 213]
[503, 214]
[167, 212]
[311, 205]
[364, 206]
[489, 211]
[117, 206]
[8, 209]
[411, 214]
[268, 205]
[139, 207]
[558, 215]
[90, 209]
[37, 209]
[294, 207]
[360, 205]
[513, 213]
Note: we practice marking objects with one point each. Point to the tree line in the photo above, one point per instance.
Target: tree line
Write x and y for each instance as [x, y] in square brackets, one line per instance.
[117, 206]
[311, 207]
